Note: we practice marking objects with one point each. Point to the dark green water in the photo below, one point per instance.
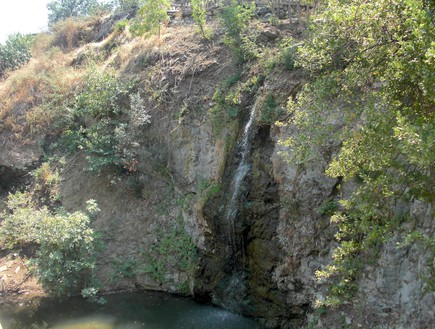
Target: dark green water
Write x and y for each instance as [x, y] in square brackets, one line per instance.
[145, 310]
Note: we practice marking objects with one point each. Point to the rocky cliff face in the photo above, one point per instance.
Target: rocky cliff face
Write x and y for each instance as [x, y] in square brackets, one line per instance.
[185, 171]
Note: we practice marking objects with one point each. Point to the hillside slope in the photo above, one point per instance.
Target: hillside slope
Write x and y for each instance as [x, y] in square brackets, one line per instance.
[153, 130]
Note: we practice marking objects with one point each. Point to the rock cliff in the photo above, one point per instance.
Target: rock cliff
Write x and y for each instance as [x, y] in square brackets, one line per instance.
[185, 164]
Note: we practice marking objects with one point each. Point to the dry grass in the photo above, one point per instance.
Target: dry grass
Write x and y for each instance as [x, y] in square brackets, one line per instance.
[31, 97]
[72, 33]
[42, 44]
[67, 35]
[178, 53]
[24, 94]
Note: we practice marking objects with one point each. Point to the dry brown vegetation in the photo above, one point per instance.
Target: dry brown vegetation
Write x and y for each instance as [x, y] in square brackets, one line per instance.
[24, 95]
[30, 98]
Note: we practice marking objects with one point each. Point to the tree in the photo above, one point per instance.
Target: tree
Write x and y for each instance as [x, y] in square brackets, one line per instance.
[125, 5]
[371, 93]
[61, 9]
[15, 52]
[236, 17]
[151, 15]
[199, 15]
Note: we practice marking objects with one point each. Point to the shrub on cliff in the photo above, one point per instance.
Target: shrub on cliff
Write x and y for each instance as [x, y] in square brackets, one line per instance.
[92, 112]
[151, 15]
[235, 18]
[371, 93]
[66, 243]
[199, 16]
[15, 52]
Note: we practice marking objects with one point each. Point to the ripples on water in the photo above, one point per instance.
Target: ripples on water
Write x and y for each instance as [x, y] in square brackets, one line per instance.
[124, 311]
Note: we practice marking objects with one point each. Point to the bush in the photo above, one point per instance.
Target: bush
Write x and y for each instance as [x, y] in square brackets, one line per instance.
[105, 121]
[47, 179]
[100, 95]
[96, 112]
[59, 10]
[151, 15]
[19, 226]
[67, 245]
[288, 52]
[236, 17]
[15, 52]
[121, 25]
[173, 250]
[227, 99]
[270, 111]
[199, 16]
[373, 98]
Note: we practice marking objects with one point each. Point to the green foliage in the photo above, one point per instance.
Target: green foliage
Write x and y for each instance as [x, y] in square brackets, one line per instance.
[94, 123]
[15, 52]
[184, 201]
[328, 208]
[202, 185]
[125, 268]
[284, 56]
[199, 16]
[288, 52]
[227, 100]
[173, 251]
[47, 179]
[232, 79]
[92, 294]
[235, 18]
[213, 190]
[371, 95]
[208, 189]
[183, 288]
[18, 226]
[121, 25]
[59, 10]
[66, 254]
[270, 111]
[99, 96]
[67, 245]
[125, 5]
[151, 15]
[44, 175]
[313, 323]
[274, 20]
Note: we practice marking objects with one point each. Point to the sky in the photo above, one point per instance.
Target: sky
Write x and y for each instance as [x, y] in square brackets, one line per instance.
[24, 16]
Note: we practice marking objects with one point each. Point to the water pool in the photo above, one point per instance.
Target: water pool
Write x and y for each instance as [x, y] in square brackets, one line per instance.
[141, 310]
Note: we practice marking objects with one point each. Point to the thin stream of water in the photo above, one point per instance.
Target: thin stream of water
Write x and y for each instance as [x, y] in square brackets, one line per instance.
[239, 175]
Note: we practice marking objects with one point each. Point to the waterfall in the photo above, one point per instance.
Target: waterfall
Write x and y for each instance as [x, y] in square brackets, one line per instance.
[233, 292]
[239, 175]
[230, 287]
